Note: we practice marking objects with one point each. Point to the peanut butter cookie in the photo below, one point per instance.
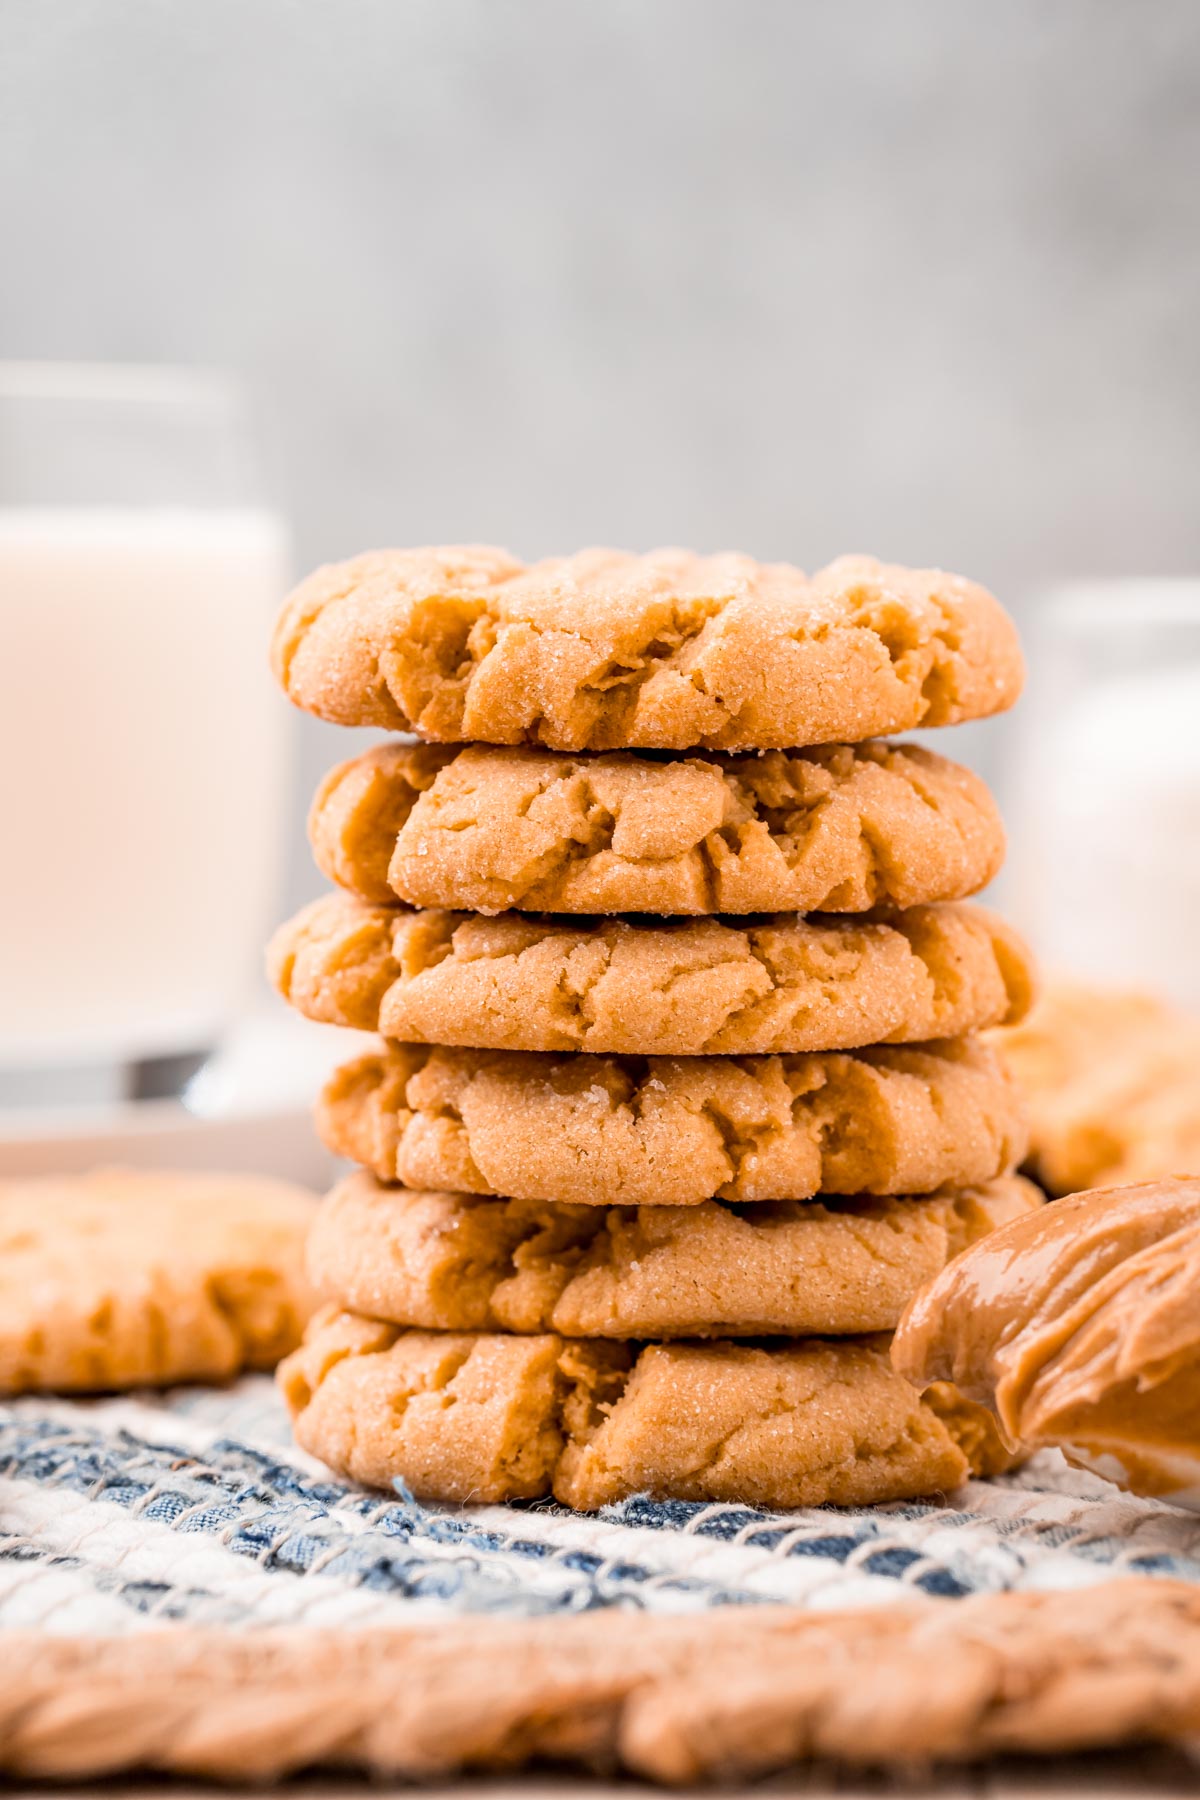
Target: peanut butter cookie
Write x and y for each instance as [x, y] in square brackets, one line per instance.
[455, 1262]
[124, 1277]
[484, 1416]
[1112, 1079]
[669, 651]
[839, 829]
[670, 988]
[674, 1131]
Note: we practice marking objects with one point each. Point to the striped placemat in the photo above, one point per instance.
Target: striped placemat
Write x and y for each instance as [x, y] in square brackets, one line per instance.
[118, 1514]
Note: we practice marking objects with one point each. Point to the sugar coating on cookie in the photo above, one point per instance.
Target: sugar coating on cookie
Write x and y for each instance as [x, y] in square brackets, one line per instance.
[839, 829]
[494, 1417]
[675, 1131]
[672, 651]
[457, 1262]
[673, 987]
[124, 1277]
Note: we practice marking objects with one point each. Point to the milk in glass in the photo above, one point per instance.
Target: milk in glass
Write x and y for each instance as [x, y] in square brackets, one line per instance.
[142, 754]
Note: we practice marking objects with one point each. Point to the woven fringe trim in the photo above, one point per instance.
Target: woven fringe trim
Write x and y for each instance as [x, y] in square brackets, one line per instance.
[740, 1692]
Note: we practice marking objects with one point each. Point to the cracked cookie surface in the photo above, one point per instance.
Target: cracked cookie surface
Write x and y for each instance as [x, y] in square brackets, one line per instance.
[456, 1262]
[670, 651]
[669, 987]
[491, 1417]
[125, 1277]
[674, 1131]
[839, 829]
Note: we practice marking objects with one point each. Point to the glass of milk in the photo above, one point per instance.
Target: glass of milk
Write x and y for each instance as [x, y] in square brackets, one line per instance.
[1105, 866]
[142, 752]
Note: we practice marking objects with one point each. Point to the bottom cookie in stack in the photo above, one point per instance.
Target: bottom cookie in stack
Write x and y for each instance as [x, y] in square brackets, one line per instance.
[488, 1350]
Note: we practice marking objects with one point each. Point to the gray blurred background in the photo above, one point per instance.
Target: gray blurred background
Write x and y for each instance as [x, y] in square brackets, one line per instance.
[793, 278]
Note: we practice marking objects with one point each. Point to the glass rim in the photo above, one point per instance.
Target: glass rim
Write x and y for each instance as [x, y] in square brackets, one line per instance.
[120, 383]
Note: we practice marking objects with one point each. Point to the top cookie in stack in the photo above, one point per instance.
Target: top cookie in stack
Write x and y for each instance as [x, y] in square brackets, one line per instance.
[645, 982]
[670, 651]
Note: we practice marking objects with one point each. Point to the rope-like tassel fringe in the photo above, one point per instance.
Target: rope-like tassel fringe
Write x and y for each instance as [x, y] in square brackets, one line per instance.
[736, 1692]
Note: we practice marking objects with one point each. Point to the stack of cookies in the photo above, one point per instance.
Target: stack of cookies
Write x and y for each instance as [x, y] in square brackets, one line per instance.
[681, 1096]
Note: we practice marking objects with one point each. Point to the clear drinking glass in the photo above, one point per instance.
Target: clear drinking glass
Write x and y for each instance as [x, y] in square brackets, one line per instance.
[142, 755]
[1105, 864]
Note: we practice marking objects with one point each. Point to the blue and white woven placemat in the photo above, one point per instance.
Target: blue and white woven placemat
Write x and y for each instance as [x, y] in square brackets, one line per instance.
[194, 1505]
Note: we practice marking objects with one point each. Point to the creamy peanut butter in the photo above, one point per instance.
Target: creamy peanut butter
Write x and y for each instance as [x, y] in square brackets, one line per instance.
[1079, 1325]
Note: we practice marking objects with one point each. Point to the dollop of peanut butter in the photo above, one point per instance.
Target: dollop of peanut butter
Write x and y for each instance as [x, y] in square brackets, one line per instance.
[1079, 1326]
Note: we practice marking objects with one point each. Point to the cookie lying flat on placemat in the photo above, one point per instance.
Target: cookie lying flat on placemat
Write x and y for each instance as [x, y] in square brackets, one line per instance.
[684, 987]
[457, 1262]
[490, 1417]
[667, 651]
[124, 1277]
[672, 1131]
[839, 829]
